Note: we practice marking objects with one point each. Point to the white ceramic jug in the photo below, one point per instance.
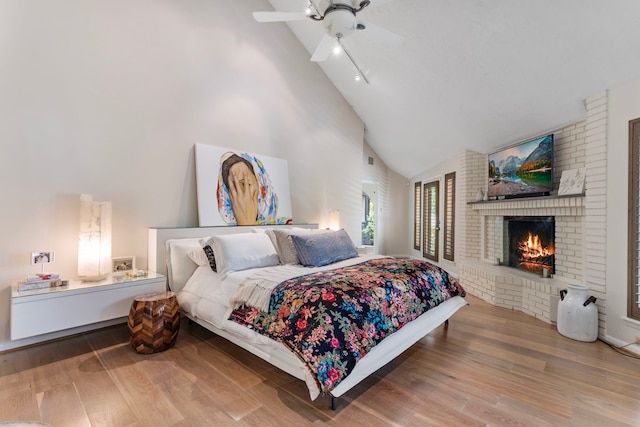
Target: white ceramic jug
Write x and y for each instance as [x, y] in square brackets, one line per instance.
[578, 314]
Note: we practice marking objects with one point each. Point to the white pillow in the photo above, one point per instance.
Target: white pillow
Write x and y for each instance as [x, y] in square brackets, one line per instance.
[198, 256]
[261, 230]
[179, 269]
[235, 252]
[205, 256]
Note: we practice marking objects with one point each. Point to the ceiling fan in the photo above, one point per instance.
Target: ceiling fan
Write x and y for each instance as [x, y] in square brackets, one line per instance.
[340, 20]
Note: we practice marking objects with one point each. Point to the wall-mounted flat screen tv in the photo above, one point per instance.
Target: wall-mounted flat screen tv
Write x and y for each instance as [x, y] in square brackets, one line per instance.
[522, 170]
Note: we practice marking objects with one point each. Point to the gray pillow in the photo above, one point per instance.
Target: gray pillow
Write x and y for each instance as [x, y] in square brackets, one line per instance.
[282, 241]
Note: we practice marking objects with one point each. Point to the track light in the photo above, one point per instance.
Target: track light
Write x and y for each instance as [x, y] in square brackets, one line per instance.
[360, 74]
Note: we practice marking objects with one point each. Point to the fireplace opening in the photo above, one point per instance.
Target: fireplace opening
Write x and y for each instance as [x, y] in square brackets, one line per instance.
[530, 243]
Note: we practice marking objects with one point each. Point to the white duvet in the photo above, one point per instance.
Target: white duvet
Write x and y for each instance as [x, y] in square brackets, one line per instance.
[211, 296]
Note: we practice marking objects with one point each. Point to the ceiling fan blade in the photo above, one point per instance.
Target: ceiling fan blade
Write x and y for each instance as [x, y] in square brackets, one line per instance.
[278, 16]
[380, 35]
[324, 48]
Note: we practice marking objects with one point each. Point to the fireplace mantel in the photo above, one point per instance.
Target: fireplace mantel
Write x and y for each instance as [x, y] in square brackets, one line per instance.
[545, 205]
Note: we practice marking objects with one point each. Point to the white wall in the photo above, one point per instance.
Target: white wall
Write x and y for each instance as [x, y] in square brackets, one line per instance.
[108, 98]
[393, 203]
[624, 105]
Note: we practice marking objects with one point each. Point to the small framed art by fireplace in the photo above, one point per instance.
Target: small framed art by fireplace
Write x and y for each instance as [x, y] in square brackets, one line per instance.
[530, 243]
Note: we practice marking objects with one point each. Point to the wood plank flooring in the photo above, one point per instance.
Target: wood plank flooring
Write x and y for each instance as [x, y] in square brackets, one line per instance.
[489, 367]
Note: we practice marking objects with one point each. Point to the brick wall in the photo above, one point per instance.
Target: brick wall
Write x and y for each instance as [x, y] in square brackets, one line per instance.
[471, 178]
[596, 200]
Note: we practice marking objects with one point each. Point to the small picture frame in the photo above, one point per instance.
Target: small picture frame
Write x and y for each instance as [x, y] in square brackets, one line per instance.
[123, 264]
[572, 182]
[42, 257]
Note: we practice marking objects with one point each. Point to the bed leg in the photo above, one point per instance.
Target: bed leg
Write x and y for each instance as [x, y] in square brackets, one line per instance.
[333, 403]
[446, 323]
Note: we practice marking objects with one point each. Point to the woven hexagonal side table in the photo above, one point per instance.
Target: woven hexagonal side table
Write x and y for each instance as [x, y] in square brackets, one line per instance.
[154, 322]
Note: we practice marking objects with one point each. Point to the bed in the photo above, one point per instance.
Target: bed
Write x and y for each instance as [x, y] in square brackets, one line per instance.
[243, 288]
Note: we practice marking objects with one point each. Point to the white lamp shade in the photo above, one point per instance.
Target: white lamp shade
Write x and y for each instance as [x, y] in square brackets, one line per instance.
[94, 244]
[334, 220]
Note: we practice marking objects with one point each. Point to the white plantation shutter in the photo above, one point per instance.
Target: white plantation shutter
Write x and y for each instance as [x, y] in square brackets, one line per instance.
[633, 280]
[416, 215]
[430, 220]
[449, 216]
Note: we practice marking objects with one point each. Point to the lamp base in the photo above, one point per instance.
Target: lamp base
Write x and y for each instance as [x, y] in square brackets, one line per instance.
[92, 278]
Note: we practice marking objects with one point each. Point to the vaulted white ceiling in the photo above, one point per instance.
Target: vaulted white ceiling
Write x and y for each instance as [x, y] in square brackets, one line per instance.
[477, 74]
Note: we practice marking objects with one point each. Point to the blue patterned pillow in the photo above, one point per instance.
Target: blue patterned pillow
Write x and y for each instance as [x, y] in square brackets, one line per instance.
[315, 250]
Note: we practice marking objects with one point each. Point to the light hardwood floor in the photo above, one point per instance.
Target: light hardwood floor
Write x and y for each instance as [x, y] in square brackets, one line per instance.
[490, 366]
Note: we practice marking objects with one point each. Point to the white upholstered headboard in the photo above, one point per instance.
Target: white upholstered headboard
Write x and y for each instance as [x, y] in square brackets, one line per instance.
[173, 244]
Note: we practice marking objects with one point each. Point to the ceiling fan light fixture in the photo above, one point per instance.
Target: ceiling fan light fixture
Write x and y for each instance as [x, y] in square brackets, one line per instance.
[311, 9]
[360, 74]
[340, 23]
[363, 4]
[313, 12]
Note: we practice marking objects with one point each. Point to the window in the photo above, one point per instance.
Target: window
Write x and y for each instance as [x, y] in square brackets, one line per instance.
[430, 224]
[633, 275]
[448, 246]
[368, 223]
[416, 215]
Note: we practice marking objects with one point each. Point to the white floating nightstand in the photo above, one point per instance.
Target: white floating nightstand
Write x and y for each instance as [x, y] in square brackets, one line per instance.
[41, 311]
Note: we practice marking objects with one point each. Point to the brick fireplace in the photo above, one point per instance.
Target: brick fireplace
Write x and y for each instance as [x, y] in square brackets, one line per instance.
[580, 225]
[517, 288]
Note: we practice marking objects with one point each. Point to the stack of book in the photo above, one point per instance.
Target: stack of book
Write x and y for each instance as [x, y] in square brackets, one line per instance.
[40, 281]
[136, 273]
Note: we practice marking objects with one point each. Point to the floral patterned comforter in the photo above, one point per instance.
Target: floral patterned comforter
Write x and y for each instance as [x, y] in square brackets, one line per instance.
[331, 319]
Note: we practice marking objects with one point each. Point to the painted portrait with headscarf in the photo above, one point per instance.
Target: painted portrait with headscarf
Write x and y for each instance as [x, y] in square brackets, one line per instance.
[245, 193]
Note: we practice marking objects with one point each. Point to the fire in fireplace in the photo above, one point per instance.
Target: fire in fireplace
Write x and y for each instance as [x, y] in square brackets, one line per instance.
[530, 243]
